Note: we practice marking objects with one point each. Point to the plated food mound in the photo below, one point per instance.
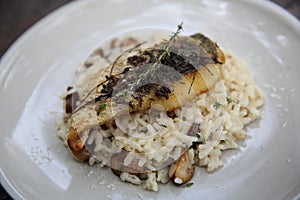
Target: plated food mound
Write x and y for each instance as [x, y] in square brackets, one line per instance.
[152, 111]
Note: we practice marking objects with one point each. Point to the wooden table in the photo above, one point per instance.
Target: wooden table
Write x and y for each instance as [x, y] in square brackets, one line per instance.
[17, 15]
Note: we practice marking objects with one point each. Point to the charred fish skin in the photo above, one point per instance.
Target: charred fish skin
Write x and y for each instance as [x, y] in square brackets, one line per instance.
[212, 48]
[192, 67]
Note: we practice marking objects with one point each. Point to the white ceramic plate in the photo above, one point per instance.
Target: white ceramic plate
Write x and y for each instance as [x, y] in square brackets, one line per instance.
[39, 66]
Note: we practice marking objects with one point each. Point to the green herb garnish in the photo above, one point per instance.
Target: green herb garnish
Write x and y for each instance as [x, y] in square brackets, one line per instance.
[101, 107]
[159, 58]
[217, 105]
[229, 100]
[188, 185]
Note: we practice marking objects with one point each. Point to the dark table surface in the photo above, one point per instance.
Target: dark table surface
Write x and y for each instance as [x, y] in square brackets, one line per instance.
[18, 15]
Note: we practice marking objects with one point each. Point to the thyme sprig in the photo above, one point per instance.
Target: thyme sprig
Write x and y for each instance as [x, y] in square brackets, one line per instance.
[127, 51]
[111, 76]
[160, 57]
[108, 78]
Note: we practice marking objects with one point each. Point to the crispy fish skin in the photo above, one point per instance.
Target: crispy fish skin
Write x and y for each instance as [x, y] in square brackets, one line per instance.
[203, 54]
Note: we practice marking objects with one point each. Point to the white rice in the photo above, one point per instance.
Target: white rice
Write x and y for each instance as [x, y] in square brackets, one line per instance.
[222, 113]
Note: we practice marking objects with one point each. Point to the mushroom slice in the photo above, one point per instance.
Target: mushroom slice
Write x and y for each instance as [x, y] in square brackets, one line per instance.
[182, 171]
[117, 166]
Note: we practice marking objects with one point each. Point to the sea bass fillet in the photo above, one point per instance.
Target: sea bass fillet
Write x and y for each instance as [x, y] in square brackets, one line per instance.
[141, 78]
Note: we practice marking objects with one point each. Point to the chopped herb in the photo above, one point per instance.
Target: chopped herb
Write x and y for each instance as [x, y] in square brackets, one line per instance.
[188, 185]
[217, 105]
[101, 107]
[197, 135]
[230, 100]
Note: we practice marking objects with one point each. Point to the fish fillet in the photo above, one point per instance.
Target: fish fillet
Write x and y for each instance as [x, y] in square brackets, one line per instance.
[137, 82]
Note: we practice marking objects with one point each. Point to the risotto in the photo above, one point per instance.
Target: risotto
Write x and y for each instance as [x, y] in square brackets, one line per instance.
[156, 145]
